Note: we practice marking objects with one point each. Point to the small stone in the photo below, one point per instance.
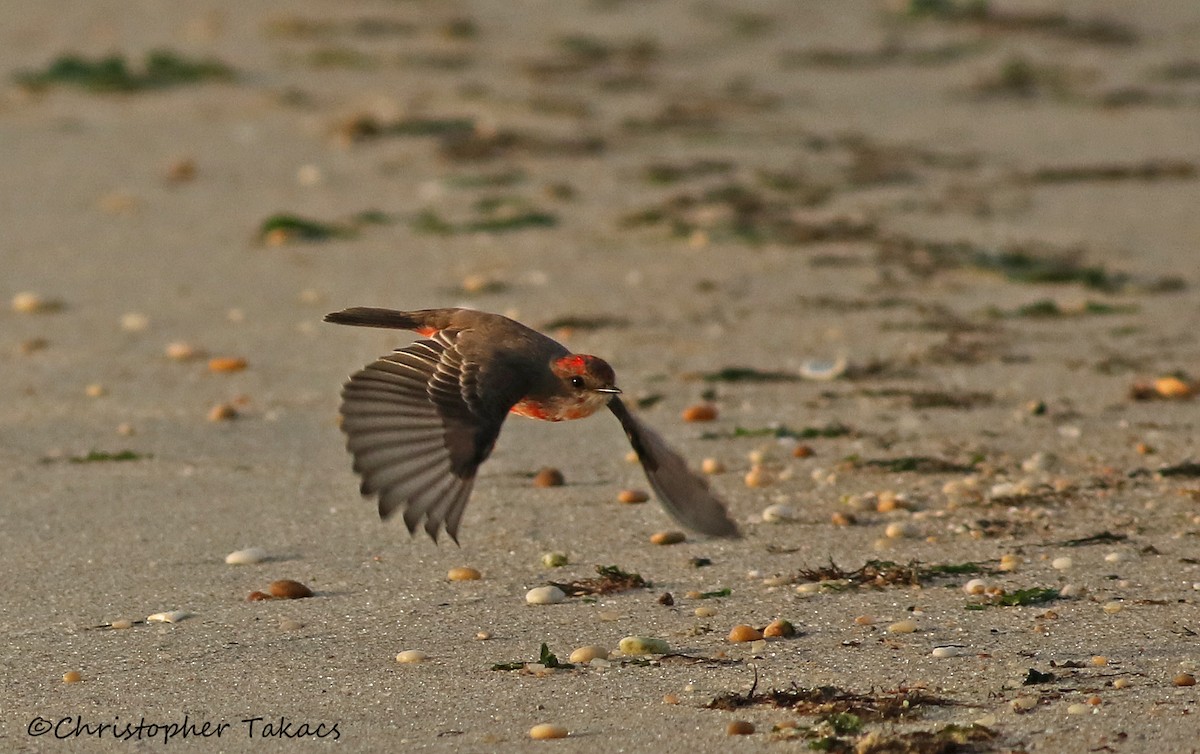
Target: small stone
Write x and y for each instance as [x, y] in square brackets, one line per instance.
[667, 537]
[180, 351]
[948, 650]
[545, 595]
[287, 624]
[32, 346]
[902, 627]
[842, 519]
[72, 676]
[257, 596]
[309, 175]
[758, 476]
[181, 170]
[411, 656]
[1078, 709]
[248, 556]
[1184, 679]
[630, 497]
[1095, 700]
[554, 559]
[548, 477]
[1121, 683]
[739, 728]
[1112, 608]
[1023, 703]
[546, 731]
[778, 513]
[670, 698]
[95, 391]
[464, 573]
[1062, 564]
[170, 616]
[121, 624]
[643, 645]
[1009, 563]
[28, 302]
[222, 412]
[666, 599]
[712, 466]
[287, 589]
[898, 530]
[802, 451]
[704, 611]
[743, 633]
[779, 629]
[226, 364]
[700, 412]
[1114, 557]
[134, 322]
[975, 586]
[1172, 387]
[1099, 661]
[1072, 591]
[864, 620]
[588, 653]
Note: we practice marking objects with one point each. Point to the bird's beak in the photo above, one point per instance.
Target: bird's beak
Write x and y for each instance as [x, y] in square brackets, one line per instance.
[610, 390]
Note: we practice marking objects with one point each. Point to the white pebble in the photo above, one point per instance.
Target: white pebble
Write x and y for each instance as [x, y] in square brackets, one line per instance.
[545, 595]
[644, 645]
[248, 556]
[975, 586]
[1114, 557]
[902, 627]
[170, 616]
[588, 654]
[412, 655]
[134, 322]
[1080, 709]
[777, 513]
[898, 530]
[1062, 564]
[1024, 703]
[1072, 591]
[948, 650]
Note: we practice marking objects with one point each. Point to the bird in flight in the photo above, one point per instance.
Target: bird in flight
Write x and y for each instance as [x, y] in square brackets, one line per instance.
[421, 420]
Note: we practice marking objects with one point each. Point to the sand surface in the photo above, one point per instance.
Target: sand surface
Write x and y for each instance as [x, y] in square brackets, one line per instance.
[772, 186]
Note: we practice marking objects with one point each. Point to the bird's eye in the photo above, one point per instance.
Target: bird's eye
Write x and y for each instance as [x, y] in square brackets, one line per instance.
[577, 381]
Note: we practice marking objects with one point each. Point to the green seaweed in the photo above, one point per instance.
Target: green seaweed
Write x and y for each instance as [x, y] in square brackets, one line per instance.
[160, 69]
[98, 456]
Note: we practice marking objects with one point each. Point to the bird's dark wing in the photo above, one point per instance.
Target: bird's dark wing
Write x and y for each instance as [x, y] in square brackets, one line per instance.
[418, 423]
[683, 493]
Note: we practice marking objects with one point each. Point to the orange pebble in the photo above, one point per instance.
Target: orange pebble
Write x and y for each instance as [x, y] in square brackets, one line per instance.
[700, 412]
[287, 589]
[633, 496]
[743, 633]
[257, 596]
[549, 477]
[667, 537]
[740, 728]
[226, 364]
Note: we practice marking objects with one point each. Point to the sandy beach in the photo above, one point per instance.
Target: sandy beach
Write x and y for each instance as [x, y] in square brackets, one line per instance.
[934, 264]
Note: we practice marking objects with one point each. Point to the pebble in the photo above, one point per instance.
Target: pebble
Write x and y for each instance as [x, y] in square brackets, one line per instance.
[975, 586]
[902, 627]
[548, 477]
[1062, 564]
[667, 538]
[226, 364]
[739, 728]
[864, 620]
[287, 624]
[464, 573]
[1009, 562]
[802, 451]
[95, 390]
[670, 698]
[1071, 591]
[704, 611]
[712, 466]
[181, 170]
[758, 476]
[555, 559]
[1099, 660]
[411, 656]
[28, 302]
[1114, 557]
[779, 629]
[842, 519]
[222, 412]
[1023, 703]
[547, 731]
[1112, 608]
[72, 676]
[1184, 679]
[1121, 683]
[248, 556]
[1172, 387]
[743, 633]
[898, 530]
[778, 513]
[257, 596]
[483, 635]
[1078, 709]
[287, 589]
[588, 653]
[170, 616]
[643, 645]
[948, 650]
[630, 497]
[545, 595]
[121, 623]
[700, 412]
[134, 322]
[180, 351]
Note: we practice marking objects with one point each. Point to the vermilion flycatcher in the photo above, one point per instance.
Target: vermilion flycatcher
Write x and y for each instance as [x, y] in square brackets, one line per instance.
[420, 421]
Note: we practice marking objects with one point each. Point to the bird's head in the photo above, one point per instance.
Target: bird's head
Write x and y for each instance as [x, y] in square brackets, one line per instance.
[585, 376]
